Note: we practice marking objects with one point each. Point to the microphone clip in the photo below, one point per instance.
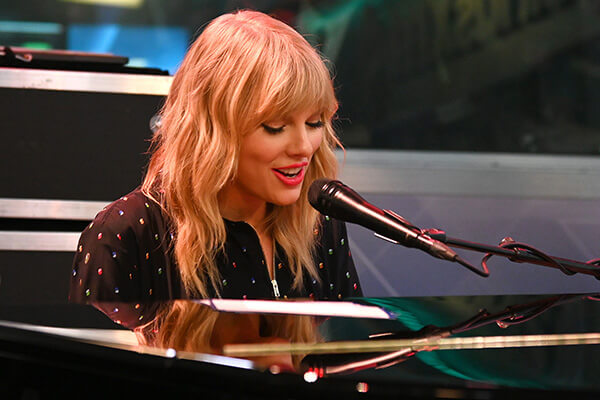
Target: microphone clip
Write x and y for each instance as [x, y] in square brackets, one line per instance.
[433, 238]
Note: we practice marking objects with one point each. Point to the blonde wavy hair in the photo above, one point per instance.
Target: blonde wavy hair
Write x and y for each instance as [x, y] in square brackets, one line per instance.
[244, 69]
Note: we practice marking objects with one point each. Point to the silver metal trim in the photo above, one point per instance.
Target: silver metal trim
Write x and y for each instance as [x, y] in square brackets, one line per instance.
[81, 81]
[126, 340]
[50, 209]
[38, 241]
[117, 336]
[471, 174]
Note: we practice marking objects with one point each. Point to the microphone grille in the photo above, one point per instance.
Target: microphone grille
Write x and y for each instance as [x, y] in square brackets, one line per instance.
[321, 194]
[315, 190]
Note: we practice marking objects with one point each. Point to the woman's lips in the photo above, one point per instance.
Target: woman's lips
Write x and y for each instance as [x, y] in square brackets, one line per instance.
[290, 180]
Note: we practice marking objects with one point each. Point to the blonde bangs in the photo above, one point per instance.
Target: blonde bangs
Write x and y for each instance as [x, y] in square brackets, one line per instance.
[293, 78]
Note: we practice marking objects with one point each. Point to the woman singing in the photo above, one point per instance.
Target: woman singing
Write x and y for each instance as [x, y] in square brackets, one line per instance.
[223, 210]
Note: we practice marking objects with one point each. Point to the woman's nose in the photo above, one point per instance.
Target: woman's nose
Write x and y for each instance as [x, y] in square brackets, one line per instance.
[300, 144]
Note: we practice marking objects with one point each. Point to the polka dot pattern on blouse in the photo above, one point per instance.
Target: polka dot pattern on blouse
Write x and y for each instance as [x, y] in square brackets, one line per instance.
[125, 257]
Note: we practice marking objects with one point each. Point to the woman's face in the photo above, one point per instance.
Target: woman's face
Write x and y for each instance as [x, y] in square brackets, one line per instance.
[274, 157]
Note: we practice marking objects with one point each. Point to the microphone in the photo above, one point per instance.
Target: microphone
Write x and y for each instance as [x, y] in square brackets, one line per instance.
[333, 198]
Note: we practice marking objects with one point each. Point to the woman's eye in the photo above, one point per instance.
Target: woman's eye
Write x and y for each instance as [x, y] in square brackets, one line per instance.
[272, 129]
[317, 124]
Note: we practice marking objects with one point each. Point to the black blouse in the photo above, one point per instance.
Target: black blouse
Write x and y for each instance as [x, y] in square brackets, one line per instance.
[125, 256]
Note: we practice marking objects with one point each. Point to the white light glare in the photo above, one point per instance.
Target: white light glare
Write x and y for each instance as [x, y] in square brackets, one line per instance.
[310, 376]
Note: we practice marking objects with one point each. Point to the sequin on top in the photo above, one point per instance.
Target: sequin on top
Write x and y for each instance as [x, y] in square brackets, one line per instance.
[138, 266]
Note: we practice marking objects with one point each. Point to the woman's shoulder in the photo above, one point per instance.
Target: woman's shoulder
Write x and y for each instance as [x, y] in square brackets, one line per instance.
[132, 218]
[122, 255]
[127, 208]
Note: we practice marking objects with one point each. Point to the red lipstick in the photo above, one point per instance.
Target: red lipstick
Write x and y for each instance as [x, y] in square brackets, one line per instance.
[291, 179]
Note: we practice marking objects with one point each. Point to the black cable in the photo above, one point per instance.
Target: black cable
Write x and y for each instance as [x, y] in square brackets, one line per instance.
[524, 317]
[530, 250]
[466, 325]
[595, 262]
[438, 236]
[485, 273]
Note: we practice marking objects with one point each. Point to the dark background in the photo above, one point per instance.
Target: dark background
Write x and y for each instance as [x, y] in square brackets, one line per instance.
[486, 76]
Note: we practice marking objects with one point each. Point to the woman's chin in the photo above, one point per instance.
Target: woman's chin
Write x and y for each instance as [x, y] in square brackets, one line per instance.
[286, 200]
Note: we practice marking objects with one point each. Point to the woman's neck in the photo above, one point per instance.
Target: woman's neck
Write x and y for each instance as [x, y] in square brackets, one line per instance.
[236, 208]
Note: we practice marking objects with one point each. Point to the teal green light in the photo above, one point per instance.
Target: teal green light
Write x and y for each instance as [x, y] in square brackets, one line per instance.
[37, 45]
